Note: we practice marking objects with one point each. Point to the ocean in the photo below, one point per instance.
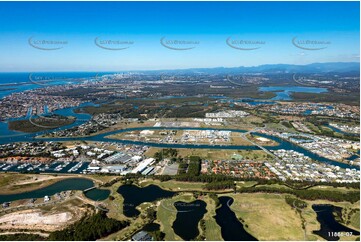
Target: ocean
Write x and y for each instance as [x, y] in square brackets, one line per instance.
[22, 81]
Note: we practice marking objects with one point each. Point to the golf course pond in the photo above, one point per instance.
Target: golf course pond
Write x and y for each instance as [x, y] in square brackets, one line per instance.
[134, 196]
[231, 228]
[188, 214]
[330, 227]
[188, 217]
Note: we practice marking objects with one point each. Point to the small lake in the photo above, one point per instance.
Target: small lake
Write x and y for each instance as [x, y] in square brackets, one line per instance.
[60, 186]
[97, 194]
[134, 196]
[284, 92]
[328, 222]
[188, 217]
[231, 228]
[151, 227]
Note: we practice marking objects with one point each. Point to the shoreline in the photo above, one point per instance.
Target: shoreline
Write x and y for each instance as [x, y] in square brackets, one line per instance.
[43, 183]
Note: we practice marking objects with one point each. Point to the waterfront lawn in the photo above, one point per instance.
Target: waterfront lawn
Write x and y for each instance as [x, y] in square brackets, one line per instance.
[166, 215]
[267, 216]
[11, 183]
[178, 186]
[9, 178]
[213, 230]
[101, 178]
[355, 220]
[115, 207]
[172, 185]
[346, 206]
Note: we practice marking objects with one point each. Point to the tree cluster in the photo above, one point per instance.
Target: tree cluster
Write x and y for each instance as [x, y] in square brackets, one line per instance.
[310, 194]
[89, 228]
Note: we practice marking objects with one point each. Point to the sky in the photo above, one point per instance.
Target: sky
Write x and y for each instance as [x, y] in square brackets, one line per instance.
[124, 36]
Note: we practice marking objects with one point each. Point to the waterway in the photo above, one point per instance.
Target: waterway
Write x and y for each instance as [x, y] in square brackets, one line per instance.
[8, 136]
[283, 144]
[329, 225]
[231, 228]
[60, 186]
[285, 92]
[340, 131]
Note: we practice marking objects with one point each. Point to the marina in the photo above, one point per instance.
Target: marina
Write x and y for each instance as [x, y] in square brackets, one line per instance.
[54, 167]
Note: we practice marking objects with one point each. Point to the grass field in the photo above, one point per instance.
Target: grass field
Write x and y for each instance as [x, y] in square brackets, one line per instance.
[101, 178]
[310, 216]
[330, 188]
[179, 186]
[213, 230]
[7, 179]
[11, 183]
[240, 184]
[268, 216]
[256, 139]
[172, 185]
[355, 220]
[115, 206]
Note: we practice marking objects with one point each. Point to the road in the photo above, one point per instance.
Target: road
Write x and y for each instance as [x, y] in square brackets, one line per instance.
[244, 136]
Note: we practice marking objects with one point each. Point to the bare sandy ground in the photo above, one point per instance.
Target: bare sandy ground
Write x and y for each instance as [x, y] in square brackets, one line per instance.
[39, 178]
[34, 219]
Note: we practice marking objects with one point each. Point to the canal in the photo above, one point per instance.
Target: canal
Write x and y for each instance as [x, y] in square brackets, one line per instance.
[60, 186]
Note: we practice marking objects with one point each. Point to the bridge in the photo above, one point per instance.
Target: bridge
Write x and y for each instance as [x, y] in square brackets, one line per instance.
[89, 189]
[95, 204]
[243, 135]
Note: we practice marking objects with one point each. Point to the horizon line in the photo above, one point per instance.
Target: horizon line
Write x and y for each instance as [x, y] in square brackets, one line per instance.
[179, 69]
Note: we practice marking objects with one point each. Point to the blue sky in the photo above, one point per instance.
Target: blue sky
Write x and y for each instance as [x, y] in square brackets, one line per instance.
[207, 25]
